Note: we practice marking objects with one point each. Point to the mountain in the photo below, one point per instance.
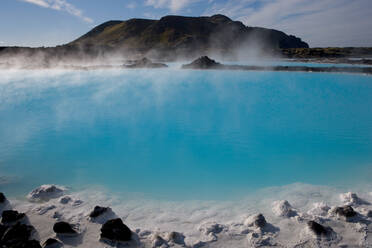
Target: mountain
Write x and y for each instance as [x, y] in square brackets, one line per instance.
[179, 35]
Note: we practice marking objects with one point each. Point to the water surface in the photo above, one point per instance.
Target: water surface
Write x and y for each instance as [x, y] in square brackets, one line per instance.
[183, 134]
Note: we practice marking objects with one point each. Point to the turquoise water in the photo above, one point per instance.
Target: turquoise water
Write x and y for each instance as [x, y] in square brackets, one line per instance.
[183, 134]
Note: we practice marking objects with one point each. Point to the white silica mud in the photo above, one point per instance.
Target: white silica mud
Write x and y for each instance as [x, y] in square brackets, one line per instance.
[279, 217]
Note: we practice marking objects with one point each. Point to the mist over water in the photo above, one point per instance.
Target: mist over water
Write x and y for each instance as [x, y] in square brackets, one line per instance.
[178, 134]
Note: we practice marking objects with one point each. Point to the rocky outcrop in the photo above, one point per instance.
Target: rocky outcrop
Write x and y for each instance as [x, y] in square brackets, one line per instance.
[45, 193]
[115, 230]
[203, 63]
[185, 36]
[207, 63]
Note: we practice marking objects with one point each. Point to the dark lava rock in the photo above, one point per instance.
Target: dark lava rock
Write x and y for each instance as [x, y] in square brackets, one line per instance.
[317, 228]
[10, 216]
[2, 198]
[17, 234]
[115, 230]
[63, 228]
[52, 243]
[369, 214]
[260, 221]
[27, 244]
[144, 63]
[203, 63]
[98, 211]
[346, 211]
[2, 231]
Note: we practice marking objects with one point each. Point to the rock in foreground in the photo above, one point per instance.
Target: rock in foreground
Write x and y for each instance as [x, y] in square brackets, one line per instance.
[115, 230]
[10, 216]
[18, 236]
[63, 228]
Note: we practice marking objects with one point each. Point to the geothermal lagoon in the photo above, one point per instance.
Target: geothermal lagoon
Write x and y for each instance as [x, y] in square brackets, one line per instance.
[176, 150]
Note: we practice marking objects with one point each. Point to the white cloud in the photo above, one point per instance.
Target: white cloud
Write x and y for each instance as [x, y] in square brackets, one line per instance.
[172, 5]
[320, 22]
[61, 5]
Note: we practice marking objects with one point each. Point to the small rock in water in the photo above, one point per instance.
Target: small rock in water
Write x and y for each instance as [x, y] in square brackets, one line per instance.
[211, 228]
[10, 216]
[98, 211]
[203, 62]
[65, 199]
[115, 230]
[345, 211]
[158, 241]
[52, 243]
[2, 198]
[283, 209]
[17, 234]
[45, 193]
[44, 209]
[177, 238]
[317, 228]
[63, 228]
[257, 220]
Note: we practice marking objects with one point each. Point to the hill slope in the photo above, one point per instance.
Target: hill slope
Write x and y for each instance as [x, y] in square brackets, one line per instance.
[186, 35]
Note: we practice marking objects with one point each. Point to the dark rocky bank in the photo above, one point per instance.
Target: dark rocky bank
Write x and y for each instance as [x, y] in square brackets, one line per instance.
[205, 63]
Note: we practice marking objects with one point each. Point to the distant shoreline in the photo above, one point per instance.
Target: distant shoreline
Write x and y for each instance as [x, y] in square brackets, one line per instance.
[205, 63]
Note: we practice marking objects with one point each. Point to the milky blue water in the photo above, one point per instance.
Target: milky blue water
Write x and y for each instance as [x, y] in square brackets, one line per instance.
[183, 134]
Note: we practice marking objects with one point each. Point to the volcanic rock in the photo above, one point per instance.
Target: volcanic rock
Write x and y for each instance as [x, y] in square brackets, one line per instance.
[115, 230]
[17, 235]
[63, 228]
[45, 193]
[203, 63]
[52, 243]
[98, 211]
[10, 216]
[257, 220]
[317, 228]
[345, 211]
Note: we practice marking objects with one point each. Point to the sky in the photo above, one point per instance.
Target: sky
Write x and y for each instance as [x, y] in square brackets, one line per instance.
[321, 23]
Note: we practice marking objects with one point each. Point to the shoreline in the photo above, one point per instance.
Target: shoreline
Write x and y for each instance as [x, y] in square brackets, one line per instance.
[211, 223]
[352, 67]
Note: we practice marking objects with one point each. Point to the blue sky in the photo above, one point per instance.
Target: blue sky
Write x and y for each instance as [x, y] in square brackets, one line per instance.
[318, 22]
